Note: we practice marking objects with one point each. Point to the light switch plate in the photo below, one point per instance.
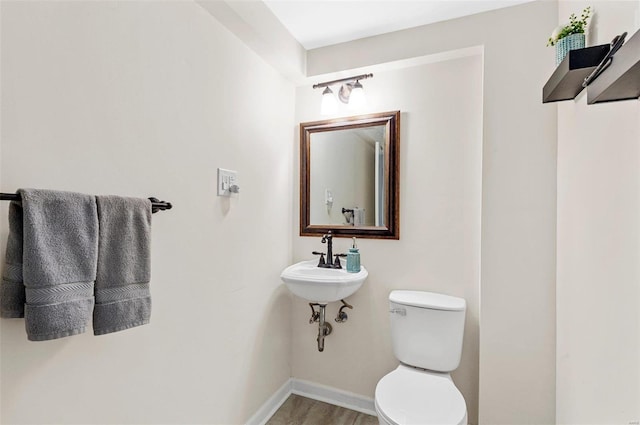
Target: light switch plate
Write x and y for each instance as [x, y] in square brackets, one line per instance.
[226, 180]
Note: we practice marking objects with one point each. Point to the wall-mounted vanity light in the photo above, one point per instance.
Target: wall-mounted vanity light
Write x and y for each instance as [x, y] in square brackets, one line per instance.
[351, 93]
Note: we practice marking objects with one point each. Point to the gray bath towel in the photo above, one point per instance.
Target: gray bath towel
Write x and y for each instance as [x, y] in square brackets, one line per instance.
[60, 253]
[12, 289]
[122, 292]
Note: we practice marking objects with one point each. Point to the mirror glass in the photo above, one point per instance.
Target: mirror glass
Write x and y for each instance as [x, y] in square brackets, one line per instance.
[349, 176]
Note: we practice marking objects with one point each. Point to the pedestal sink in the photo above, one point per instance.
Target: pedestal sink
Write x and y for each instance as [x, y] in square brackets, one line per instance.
[321, 285]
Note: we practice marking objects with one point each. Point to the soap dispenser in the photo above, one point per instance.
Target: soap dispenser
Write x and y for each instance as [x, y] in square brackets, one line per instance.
[353, 259]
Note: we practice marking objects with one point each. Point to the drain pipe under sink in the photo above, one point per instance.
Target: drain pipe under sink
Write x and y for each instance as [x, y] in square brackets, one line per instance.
[324, 327]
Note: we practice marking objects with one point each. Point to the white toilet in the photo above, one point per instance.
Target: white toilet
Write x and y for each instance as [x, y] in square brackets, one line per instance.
[426, 332]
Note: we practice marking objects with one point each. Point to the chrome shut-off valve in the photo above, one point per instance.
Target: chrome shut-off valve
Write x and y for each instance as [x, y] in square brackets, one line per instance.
[315, 314]
[342, 315]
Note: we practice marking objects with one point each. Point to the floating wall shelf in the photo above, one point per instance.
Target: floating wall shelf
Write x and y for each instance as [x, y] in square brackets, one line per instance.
[621, 80]
[566, 81]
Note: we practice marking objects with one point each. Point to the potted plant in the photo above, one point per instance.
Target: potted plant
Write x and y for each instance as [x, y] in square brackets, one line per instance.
[570, 36]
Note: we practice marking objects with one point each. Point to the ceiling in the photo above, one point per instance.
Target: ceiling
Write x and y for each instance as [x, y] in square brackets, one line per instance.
[319, 23]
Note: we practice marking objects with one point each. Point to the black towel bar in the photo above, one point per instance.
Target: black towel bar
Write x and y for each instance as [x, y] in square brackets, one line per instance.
[156, 205]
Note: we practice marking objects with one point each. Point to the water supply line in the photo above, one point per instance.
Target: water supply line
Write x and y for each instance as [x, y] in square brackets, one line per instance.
[342, 315]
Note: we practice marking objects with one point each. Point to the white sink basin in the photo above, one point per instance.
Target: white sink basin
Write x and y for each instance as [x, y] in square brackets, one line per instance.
[306, 280]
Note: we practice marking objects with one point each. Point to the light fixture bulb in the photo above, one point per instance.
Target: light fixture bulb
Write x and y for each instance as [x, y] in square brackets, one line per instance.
[329, 104]
[357, 98]
[345, 92]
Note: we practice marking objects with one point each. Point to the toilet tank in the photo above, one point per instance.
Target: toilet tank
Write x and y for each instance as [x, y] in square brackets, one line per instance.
[427, 329]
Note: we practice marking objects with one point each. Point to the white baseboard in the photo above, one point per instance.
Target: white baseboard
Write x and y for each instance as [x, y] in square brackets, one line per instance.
[333, 396]
[316, 392]
[266, 411]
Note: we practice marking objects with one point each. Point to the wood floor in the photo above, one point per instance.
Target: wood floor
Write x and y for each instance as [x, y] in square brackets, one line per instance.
[299, 410]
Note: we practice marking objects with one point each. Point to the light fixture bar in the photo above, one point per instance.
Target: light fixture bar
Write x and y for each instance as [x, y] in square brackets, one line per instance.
[342, 80]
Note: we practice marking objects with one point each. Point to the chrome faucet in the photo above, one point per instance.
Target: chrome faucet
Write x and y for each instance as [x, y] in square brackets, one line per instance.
[330, 263]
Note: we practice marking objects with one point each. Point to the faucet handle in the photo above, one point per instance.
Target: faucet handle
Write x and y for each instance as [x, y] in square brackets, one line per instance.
[336, 263]
[321, 254]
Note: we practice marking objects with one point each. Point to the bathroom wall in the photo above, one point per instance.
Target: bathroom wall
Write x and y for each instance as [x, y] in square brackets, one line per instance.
[598, 290]
[512, 289]
[439, 246]
[142, 99]
[148, 98]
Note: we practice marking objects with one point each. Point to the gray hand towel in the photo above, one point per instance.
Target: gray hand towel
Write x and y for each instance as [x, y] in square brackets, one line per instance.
[12, 289]
[60, 253]
[122, 292]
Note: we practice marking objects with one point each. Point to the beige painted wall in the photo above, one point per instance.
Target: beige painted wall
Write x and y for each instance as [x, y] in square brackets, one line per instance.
[176, 98]
[598, 294]
[439, 246]
[518, 238]
[141, 99]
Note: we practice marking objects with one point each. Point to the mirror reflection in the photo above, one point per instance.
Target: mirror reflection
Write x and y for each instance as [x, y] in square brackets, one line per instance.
[347, 177]
[349, 183]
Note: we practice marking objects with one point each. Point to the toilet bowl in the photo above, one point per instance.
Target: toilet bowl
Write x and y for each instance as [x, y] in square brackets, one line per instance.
[414, 396]
[426, 332]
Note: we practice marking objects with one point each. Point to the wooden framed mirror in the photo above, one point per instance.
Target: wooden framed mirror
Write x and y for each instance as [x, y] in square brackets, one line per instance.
[349, 176]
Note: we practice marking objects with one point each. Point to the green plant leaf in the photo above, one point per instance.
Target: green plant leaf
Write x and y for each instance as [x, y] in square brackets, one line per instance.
[575, 26]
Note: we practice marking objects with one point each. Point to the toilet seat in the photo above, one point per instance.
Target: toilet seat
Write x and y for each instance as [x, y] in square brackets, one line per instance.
[413, 396]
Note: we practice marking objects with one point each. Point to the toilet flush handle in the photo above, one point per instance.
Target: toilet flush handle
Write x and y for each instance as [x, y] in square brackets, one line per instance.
[400, 311]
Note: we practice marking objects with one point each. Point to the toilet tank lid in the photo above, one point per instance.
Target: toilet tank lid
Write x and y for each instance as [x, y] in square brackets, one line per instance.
[430, 300]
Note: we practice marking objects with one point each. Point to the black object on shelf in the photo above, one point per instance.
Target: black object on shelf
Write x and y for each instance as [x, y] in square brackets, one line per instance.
[616, 43]
[566, 81]
[621, 78]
